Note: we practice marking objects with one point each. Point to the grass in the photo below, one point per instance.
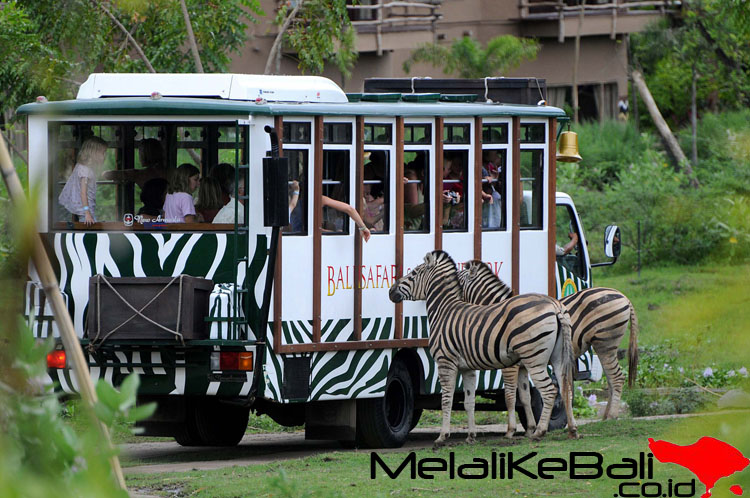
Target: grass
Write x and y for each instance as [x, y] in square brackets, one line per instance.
[348, 473]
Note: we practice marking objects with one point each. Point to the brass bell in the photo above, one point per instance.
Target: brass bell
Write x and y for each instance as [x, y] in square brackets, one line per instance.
[568, 148]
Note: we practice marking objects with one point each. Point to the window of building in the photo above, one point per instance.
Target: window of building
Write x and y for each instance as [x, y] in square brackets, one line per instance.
[532, 168]
[416, 191]
[455, 172]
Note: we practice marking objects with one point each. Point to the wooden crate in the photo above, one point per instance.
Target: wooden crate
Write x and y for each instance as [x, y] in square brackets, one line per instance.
[107, 311]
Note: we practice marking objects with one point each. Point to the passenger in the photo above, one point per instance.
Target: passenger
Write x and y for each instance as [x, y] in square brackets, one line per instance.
[224, 173]
[453, 190]
[151, 155]
[178, 205]
[374, 210]
[345, 208]
[414, 199]
[491, 209]
[152, 196]
[226, 213]
[78, 195]
[562, 251]
[209, 200]
[293, 195]
[296, 209]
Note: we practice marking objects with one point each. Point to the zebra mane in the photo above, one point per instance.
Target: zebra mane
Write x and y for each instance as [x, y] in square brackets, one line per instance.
[442, 257]
[478, 267]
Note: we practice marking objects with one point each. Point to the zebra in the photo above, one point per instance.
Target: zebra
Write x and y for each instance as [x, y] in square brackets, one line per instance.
[599, 317]
[533, 329]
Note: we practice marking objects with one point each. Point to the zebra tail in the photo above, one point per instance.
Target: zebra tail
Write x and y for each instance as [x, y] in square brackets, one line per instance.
[633, 348]
[568, 359]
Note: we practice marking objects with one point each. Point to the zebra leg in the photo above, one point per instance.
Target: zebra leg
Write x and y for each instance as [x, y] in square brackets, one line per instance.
[524, 395]
[447, 375]
[547, 389]
[566, 387]
[615, 378]
[470, 391]
[510, 381]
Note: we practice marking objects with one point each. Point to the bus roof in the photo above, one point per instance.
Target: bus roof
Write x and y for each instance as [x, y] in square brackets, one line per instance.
[184, 106]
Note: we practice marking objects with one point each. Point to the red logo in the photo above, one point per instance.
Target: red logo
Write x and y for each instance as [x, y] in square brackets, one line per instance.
[708, 458]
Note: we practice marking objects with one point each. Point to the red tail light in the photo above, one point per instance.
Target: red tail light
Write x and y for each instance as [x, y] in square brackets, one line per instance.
[56, 359]
[231, 360]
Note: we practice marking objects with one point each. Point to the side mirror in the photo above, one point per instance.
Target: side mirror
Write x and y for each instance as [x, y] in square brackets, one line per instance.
[611, 245]
[612, 241]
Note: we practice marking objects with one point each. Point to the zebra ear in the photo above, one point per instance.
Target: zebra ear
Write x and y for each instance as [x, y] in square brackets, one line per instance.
[430, 259]
[473, 268]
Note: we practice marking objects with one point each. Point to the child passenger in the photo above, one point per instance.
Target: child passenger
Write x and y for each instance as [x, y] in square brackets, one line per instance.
[178, 205]
[78, 195]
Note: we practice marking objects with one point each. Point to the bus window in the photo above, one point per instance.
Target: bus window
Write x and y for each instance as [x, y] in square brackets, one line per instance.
[568, 242]
[493, 189]
[454, 190]
[191, 143]
[336, 187]
[416, 191]
[297, 192]
[375, 191]
[532, 166]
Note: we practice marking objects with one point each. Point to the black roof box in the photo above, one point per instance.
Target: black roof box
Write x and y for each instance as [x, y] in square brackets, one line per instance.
[504, 90]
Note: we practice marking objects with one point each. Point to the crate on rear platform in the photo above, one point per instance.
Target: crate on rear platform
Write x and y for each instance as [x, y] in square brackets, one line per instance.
[108, 311]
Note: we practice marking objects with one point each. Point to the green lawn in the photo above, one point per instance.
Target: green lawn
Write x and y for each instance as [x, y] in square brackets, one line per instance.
[348, 473]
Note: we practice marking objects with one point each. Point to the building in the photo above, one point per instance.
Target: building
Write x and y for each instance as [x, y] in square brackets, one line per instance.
[388, 30]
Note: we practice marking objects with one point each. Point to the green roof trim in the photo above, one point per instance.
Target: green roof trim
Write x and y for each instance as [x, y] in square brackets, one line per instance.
[174, 106]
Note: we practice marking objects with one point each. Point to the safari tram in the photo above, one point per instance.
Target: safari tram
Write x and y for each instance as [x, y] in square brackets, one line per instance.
[279, 302]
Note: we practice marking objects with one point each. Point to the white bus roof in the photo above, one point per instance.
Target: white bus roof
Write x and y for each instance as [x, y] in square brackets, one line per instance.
[223, 86]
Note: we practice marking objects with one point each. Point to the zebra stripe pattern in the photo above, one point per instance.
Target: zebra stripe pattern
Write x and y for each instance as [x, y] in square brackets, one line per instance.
[532, 329]
[599, 317]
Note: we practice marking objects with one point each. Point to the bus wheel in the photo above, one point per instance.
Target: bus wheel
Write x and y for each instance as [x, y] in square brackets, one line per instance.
[213, 423]
[415, 418]
[558, 419]
[385, 422]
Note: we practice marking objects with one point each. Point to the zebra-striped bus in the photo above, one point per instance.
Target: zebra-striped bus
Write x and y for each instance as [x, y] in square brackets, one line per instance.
[298, 325]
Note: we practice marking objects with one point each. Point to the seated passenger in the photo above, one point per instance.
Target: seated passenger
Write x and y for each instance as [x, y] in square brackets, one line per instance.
[453, 192]
[374, 210]
[152, 159]
[209, 200]
[224, 174]
[152, 196]
[345, 208]
[226, 213]
[78, 195]
[178, 205]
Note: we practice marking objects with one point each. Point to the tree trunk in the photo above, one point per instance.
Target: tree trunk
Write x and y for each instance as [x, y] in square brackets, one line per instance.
[276, 47]
[663, 128]
[694, 117]
[191, 37]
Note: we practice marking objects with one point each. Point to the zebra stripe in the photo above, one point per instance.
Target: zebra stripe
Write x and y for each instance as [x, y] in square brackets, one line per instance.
[599, 318]
[465, 337]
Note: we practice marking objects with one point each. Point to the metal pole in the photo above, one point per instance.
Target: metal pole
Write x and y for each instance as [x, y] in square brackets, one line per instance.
[62, 317]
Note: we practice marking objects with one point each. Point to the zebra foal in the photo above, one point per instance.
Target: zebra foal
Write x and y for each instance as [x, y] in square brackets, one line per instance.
[533, 329]
[599, 317]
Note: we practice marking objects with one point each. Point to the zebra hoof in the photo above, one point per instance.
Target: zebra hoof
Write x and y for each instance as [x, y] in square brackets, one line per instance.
[471, 439]
[574, 435]
[510, 434]
[439, 443]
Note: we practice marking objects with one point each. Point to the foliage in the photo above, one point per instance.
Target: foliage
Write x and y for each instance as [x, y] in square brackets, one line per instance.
[49, 46]
[678, 401]
[467, 59]
[320, 32]
[581, 406]
[711, 37]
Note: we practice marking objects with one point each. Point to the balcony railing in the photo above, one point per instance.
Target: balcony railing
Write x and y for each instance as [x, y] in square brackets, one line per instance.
[380, 16]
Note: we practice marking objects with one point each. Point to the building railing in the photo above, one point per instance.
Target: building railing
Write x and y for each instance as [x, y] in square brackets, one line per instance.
[379, 16]
[533, 8]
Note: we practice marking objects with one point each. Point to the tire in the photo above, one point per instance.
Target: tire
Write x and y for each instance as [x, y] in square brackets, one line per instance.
[558, 419]
[385, 422]
[213, 423]
[415, 418]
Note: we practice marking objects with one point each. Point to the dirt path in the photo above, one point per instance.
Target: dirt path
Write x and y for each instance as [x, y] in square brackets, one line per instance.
[259, 449]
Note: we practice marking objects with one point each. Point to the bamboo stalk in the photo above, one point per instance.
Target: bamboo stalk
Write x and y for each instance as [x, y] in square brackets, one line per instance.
[62, 317]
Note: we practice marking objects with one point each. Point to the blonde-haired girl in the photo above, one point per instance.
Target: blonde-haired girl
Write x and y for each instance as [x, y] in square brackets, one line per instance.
[79, 193]
[178, 205]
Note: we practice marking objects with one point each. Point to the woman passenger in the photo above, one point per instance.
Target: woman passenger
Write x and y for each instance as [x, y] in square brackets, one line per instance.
[209, 200]
[178, 205]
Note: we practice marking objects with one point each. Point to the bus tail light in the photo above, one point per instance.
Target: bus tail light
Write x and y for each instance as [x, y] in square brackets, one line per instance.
[232, 360]
[56, 359]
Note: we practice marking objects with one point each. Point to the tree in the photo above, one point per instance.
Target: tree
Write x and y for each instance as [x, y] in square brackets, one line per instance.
[48, 47]
[466, 58]
[318, 31]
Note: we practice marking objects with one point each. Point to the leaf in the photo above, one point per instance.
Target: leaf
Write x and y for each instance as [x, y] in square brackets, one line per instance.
[104, 413]
[108, 396]
[128, 391]
[141, 412]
